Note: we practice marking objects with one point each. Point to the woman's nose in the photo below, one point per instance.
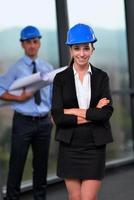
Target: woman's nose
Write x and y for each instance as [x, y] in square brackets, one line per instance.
[81, 53]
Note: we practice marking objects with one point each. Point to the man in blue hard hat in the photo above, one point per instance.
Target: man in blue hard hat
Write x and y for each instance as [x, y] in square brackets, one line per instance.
[31, 121]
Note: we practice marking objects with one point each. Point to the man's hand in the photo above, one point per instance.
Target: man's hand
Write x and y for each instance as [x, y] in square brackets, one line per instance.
[25, 95]
[11, 97]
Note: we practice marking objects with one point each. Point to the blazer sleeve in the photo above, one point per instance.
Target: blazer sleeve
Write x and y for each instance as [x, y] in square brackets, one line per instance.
[104, 113]
[57, 111]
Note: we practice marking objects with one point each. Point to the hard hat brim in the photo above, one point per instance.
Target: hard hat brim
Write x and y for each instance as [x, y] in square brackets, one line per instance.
[22, 40]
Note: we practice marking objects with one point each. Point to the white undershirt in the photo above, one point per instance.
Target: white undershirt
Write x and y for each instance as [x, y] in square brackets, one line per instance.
[83, 89]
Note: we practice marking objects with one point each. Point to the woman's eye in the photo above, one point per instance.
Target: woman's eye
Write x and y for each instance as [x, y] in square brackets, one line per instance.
[87, 48]
[76, 48]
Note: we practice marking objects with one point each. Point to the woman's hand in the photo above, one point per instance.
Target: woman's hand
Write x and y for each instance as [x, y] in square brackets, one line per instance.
[81, 120]
[76, 111]
[102, 102]
[69, 111]
[80, 113]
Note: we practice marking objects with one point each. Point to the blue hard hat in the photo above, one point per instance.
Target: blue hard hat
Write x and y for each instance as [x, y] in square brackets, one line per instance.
[80, 33]
[29, 32]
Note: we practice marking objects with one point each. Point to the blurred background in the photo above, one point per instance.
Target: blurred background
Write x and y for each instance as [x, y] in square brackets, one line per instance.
[112, 21]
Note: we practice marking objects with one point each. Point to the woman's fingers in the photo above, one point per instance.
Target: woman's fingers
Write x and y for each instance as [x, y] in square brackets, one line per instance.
[102, 102]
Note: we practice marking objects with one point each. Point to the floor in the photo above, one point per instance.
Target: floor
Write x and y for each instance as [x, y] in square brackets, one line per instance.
[118, 184]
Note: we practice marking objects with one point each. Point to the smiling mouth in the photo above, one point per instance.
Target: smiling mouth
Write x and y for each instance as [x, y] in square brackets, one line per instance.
[82, 60]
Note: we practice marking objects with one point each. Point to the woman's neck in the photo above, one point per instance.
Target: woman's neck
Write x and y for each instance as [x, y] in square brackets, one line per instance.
[81, 69]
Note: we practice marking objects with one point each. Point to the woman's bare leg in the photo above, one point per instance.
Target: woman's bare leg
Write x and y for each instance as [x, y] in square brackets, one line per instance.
[74, 189]
[90, 189]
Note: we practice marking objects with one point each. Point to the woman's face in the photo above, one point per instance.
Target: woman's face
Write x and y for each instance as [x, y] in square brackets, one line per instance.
[81, 53]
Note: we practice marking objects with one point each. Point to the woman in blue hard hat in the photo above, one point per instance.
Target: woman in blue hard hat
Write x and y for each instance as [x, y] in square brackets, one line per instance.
[81, 109]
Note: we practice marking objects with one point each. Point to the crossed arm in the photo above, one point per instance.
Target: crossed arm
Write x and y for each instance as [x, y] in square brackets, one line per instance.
[81, 113]
[10, 97]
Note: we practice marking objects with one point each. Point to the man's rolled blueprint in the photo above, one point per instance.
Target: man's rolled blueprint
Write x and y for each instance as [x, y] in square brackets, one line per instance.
[32, 83]
[36, 81]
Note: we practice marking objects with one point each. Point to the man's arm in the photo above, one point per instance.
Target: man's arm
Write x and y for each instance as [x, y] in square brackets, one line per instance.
[10, 97]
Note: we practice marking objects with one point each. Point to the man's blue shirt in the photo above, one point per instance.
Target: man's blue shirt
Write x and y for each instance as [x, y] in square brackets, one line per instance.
[23, 68]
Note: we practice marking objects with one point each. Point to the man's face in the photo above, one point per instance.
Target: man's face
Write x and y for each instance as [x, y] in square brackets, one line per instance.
[31, 47]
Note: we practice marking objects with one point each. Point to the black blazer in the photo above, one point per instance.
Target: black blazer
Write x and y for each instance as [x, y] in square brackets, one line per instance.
[64, 96]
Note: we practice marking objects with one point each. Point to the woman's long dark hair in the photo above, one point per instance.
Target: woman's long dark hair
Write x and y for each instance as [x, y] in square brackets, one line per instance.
[71, 62]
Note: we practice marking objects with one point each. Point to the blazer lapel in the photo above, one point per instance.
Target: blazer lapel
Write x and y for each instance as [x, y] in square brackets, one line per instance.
[93, 83]
[71, 84]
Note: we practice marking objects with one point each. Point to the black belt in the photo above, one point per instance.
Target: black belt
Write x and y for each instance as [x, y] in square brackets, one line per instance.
[31, 117]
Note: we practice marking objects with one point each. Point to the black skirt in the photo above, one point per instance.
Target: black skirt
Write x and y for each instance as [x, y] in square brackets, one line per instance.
[81, 159]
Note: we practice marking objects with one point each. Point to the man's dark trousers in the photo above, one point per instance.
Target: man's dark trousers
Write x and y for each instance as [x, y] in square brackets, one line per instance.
[28, 131]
